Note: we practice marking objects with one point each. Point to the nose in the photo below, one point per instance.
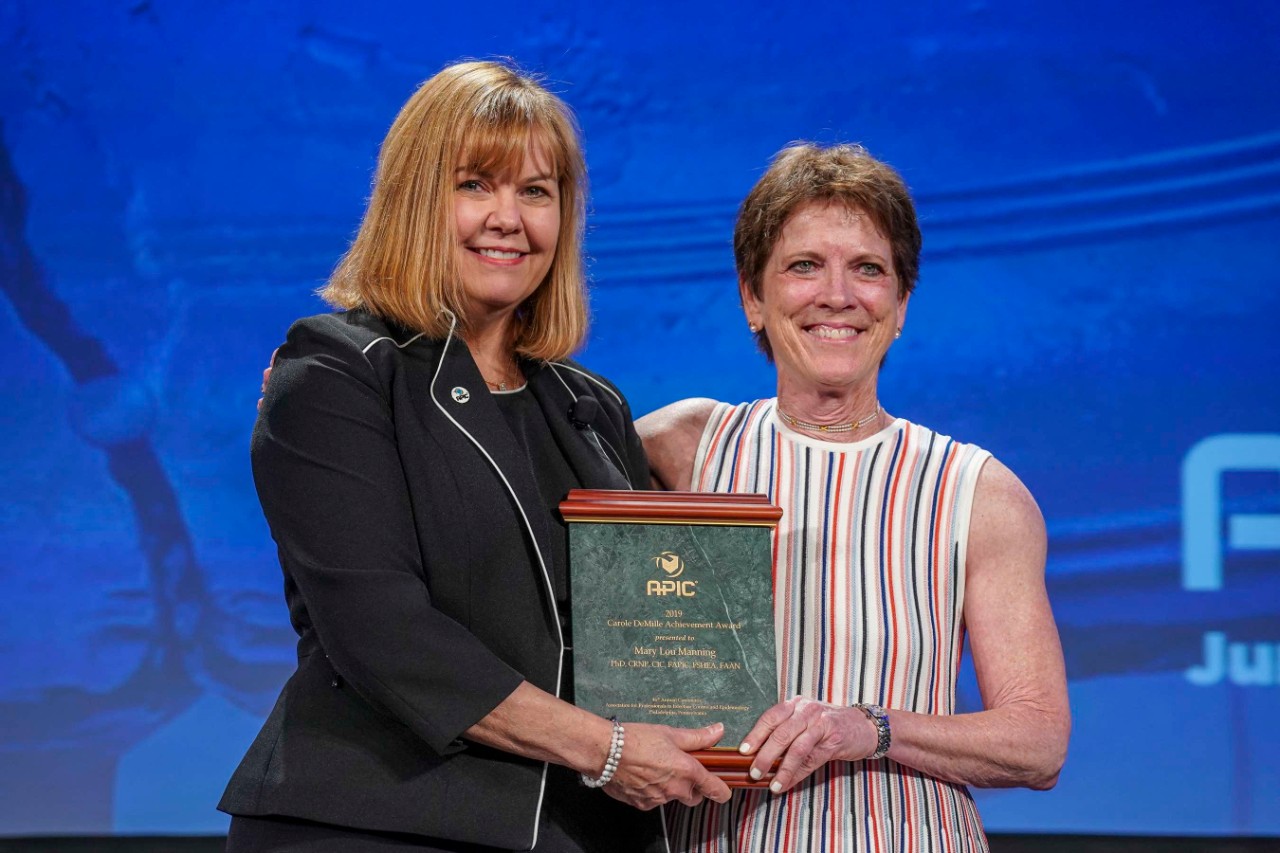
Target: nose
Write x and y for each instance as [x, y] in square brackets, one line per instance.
[504, 217]
[838, 291]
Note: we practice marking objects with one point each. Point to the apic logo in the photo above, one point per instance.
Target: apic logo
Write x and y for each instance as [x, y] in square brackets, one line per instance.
[670, 564]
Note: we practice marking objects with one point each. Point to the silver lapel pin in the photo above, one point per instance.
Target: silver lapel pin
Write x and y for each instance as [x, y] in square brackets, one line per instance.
[460, 394]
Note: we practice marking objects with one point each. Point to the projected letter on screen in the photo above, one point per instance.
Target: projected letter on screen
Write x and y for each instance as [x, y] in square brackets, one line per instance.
[1202, 470]
[1242, 664]
[1203, 545]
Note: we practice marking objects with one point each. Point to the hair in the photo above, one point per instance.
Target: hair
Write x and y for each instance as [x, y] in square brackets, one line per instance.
[804, 173]
[402, 266]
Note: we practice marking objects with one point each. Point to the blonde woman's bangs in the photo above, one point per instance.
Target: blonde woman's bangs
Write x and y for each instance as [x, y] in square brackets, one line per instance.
[501, 150]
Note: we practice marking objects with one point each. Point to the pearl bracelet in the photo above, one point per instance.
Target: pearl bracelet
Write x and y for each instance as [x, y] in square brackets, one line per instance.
[611, 761]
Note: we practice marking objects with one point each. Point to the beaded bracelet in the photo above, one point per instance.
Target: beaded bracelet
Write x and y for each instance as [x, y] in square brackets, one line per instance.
[610, 762]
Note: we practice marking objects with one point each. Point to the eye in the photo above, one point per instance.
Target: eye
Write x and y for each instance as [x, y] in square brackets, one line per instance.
[537, 191]
[803, 266]
[471, 185]
[870, 269]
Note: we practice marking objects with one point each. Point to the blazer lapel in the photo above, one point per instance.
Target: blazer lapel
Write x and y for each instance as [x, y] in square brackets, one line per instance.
[589, 462]
[460, 400]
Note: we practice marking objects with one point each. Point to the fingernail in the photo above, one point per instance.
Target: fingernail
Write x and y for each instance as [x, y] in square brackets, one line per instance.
[744, 748]
[756, 774]
[775, 788]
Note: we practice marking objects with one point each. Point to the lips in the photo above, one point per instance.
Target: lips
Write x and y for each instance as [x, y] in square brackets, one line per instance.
[832, 333]
[499, 254]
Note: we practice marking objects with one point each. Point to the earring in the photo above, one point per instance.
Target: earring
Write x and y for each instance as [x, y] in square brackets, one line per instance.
[897, 334]
[753, 327]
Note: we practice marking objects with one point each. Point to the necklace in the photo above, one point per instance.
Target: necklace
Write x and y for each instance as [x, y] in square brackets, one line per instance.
[505, 384]
[796, 423]
[499, 386]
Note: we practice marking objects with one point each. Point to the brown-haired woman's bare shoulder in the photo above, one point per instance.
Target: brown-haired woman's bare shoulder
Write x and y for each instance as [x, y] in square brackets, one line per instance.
[671, 436]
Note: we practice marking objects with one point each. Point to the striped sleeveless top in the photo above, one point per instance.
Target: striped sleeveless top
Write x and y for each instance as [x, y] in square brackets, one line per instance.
[869, 569]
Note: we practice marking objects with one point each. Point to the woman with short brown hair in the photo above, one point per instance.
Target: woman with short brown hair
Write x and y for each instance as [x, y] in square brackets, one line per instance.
[896, 543]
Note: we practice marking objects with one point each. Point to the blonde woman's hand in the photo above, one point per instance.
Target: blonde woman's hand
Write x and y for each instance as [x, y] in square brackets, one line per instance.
[656, 767]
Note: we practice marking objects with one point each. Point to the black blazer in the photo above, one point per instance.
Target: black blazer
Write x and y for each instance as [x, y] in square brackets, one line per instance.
[415, 549]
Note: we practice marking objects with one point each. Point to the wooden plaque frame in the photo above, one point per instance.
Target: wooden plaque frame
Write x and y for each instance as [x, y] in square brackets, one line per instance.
[717, 509]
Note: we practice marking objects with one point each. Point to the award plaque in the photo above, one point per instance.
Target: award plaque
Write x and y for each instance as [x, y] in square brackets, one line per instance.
[673, 611]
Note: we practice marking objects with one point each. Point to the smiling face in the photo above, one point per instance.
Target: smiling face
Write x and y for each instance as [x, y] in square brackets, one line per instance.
[507, 226]
[828, 301]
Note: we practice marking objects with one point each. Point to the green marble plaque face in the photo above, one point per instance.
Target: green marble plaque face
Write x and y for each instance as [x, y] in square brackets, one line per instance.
[673, 623]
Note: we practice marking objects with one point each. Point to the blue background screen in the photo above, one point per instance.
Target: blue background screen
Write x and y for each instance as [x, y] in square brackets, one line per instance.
[1099, 190]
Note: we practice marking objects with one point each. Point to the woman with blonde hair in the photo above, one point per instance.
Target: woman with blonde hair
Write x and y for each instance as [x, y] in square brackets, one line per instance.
[410, 455]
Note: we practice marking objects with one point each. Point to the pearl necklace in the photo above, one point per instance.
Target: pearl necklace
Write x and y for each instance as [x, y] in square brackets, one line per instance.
[796, 423]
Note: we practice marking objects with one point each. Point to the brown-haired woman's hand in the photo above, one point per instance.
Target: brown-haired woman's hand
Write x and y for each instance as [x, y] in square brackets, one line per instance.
[266, 376]
[801, 734]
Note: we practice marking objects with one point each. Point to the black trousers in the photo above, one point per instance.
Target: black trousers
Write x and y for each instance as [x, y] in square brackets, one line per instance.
[575, 819]
[290, 835]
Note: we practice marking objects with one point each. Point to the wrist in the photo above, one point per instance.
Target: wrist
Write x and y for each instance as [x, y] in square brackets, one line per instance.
[879, 718]
[590, 745]
[617, 739]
